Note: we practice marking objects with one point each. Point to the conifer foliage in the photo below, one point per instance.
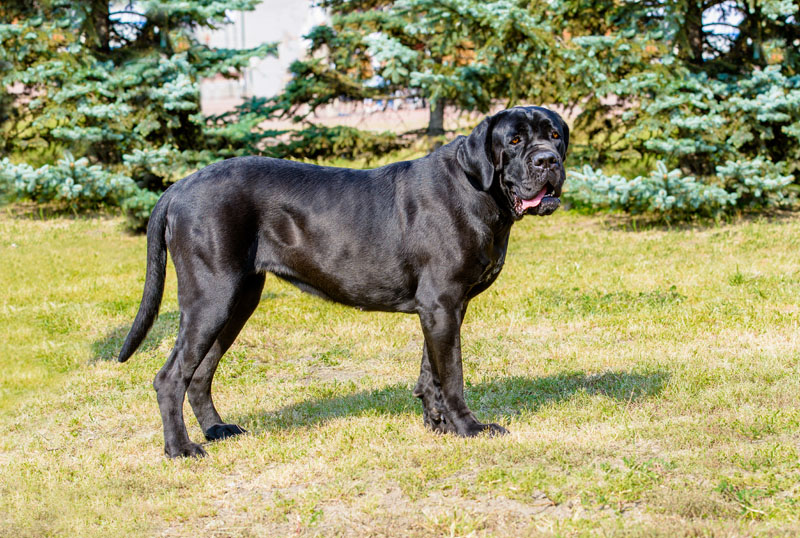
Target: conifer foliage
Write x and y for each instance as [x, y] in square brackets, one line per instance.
[462, 52]
[707, 88]
[698, 99]
[100, 99]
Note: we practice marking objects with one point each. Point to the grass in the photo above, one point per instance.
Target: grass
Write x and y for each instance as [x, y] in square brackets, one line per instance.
[649, 378]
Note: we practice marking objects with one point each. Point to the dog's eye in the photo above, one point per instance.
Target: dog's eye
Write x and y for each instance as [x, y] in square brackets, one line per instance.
[555, 134]
[515, 140]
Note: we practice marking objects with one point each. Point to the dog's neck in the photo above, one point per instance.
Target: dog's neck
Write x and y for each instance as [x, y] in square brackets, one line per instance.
[497, 215]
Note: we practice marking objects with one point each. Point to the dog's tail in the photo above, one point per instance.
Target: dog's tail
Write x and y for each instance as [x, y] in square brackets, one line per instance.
[154, 278]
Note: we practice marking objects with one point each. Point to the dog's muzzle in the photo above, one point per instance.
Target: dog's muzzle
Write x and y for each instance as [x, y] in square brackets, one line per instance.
[546, 174]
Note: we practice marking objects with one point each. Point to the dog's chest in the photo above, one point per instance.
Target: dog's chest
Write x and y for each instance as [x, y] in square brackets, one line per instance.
[492, 258]
[493, 269]
[487, 257]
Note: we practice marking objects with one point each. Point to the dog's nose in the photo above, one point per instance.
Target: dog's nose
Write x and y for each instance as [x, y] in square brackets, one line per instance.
[545, 159]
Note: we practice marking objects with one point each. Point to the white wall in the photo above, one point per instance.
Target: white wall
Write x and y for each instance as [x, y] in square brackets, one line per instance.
[282, 21]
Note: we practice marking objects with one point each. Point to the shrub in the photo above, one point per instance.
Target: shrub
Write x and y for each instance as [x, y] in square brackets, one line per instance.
[77, 185]
[72, 182]
[758, 183]
[740, 185]
[138, 207]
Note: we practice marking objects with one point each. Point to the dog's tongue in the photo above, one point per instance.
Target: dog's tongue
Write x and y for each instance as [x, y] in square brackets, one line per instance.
[533, 202]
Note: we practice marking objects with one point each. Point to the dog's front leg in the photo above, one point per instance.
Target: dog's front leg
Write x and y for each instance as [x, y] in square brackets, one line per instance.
[441, 325]
[430, 392]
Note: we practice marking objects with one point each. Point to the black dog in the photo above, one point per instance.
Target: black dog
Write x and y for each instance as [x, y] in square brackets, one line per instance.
[422, 236]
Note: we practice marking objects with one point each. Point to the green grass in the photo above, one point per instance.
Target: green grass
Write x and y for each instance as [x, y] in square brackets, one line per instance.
[650, 380]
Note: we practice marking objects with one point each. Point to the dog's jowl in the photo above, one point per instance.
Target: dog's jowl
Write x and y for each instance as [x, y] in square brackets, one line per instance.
[423, 236]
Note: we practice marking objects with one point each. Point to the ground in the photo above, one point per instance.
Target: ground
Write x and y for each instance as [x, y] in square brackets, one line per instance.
[648, 374]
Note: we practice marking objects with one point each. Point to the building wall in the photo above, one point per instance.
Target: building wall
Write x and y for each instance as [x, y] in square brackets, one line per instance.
[286, 22]
[281, 21]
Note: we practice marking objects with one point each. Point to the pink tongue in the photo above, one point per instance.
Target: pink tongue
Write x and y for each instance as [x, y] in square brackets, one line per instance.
[533, 202]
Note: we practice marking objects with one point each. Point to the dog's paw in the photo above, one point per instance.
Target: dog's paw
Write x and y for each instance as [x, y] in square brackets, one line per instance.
[222, 431]
[189, 450]
[438, 425]
[478, 428]
[436, 421]
[493, 429]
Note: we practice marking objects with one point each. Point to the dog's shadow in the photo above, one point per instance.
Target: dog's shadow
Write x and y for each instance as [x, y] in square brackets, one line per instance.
[166, 325]
[491, 400]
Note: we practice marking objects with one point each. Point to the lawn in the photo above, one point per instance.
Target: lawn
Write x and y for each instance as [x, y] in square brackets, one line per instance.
[649, 377]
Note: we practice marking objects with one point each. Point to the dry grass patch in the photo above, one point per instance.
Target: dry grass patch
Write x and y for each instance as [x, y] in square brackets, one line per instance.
[650, 379]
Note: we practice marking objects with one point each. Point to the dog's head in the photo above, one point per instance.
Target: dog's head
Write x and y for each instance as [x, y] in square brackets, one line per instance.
[520, 150]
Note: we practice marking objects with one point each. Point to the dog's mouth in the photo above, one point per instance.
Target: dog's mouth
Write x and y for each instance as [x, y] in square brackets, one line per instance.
[544, 203]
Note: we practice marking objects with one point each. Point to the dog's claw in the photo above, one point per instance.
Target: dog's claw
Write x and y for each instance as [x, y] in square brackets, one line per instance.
[438, 423]
[479, 428]
[493, 429]
[190, 450]
[439, 426]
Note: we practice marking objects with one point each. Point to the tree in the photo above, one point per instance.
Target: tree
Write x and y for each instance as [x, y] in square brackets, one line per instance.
[462, 52]
[100, 100]
[708, 87]
[609, 61]
[114, 89]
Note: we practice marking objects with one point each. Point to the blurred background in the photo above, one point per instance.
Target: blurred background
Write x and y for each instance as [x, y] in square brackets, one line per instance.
[678, 109]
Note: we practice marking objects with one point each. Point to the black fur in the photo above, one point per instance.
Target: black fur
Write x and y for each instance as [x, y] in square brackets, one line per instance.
[423, 236]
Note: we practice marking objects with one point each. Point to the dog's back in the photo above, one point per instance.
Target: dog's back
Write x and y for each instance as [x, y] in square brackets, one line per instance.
[335, 232]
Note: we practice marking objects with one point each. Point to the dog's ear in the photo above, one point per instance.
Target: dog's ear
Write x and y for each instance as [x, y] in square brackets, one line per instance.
[475, 155]
[565, 130]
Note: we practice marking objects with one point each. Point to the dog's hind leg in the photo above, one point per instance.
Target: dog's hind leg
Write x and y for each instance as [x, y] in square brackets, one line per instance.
[199, 392]
[205, 310]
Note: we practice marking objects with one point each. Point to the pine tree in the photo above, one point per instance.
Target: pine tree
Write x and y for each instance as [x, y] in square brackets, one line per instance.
[693, 82]
[646, 81]
[111, 87]
[462, 52]
[709, 88]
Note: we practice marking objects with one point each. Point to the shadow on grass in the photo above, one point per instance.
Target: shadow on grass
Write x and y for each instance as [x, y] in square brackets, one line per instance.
[50, 210]
[640, 223]
[490, 400]
[108, 348]
[165, 325]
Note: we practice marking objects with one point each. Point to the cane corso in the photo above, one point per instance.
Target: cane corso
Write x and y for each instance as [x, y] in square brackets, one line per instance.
[423, 236]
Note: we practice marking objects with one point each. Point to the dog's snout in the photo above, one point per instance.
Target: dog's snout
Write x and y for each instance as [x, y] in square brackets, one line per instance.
[545, 159]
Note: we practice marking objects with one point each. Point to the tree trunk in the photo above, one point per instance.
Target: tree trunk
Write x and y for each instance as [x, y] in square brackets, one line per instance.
[692, 42]
[436, 122]
[99, 31]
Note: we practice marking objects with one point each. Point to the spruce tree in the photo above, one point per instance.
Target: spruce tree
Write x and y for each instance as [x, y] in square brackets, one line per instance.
[461, 52]
[110, 89]
[710, 89]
